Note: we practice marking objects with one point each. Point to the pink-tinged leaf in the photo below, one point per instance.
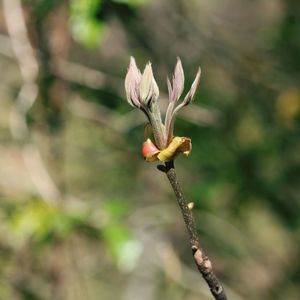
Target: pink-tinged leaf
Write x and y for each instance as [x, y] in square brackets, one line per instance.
[132, 82]
[155, 90]
[170, 91]
[190, 95]
[170, 118]
[178, 80]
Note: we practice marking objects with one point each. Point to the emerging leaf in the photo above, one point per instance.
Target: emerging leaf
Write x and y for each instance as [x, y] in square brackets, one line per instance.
[148, 87]
[178, 82]
[142, 92]
[132, 82]
[190, 95]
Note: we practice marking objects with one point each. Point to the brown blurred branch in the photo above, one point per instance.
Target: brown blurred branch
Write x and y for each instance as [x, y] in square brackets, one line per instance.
[80, 74]
[24, 53]
[202, 261]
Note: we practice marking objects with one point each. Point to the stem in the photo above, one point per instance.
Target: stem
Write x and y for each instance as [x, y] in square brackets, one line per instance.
[157, 125]
[202, 261]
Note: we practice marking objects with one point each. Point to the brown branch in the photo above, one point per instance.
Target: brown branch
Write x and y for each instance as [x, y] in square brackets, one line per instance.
[202, 261]
[20, 47]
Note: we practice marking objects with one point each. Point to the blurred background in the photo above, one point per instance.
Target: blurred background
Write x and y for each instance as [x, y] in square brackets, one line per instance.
[82, 215]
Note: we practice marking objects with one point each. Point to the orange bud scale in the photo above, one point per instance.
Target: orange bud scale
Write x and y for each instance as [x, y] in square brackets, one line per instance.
[178, 145]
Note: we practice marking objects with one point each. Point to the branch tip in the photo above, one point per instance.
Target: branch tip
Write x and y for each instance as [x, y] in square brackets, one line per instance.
[201, 260]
